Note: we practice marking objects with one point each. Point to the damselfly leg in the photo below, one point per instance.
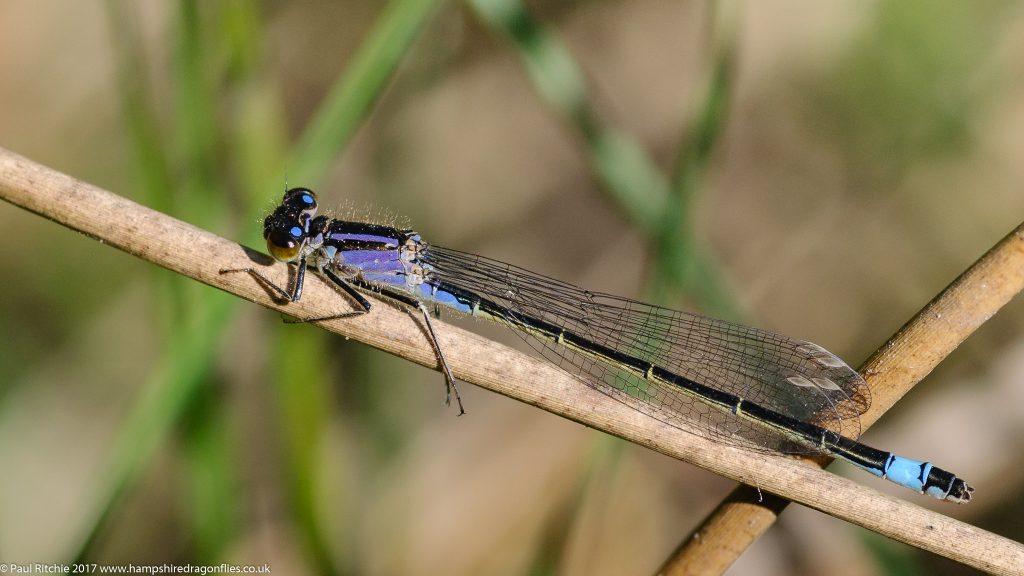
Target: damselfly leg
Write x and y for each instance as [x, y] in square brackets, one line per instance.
[364, 306]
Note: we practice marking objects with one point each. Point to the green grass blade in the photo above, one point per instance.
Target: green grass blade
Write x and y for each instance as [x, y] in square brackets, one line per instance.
[626, 172]
[683, 263]
[163, 398]
[350, 100]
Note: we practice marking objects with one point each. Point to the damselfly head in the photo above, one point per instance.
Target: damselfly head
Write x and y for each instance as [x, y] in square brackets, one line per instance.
[287, 228]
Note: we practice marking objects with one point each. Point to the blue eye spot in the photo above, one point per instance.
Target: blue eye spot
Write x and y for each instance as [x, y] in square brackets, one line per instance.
[295, 231]
[307, 200]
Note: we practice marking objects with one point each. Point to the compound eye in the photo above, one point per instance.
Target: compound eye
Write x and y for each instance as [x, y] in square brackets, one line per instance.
[302, 199]
[284, 243]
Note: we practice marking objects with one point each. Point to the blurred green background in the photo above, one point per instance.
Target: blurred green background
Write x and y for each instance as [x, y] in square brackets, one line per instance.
[817, 168]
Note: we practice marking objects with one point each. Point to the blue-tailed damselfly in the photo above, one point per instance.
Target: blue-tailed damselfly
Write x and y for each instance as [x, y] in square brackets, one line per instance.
[738, 384]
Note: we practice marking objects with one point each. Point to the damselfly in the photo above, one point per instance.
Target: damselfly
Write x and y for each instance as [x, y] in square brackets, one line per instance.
[737, 384]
